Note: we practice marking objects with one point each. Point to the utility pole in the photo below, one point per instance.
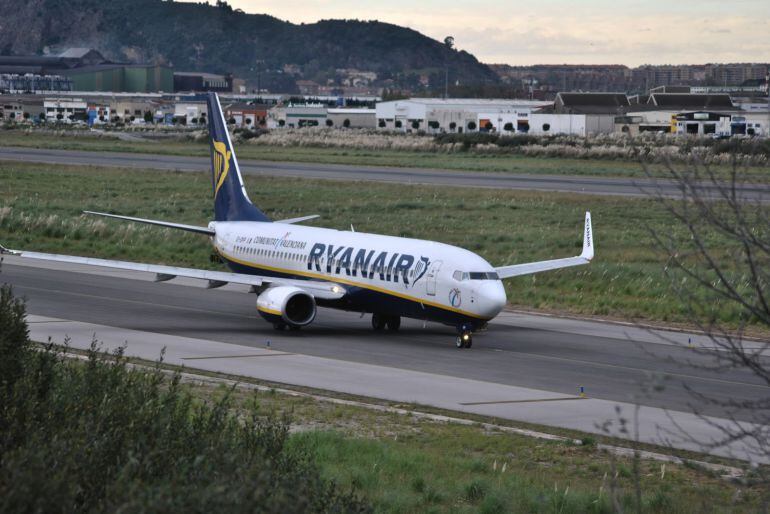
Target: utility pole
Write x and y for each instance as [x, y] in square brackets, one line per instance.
[449, 42]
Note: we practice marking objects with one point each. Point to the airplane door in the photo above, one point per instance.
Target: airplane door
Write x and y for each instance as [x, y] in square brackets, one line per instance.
[432, 275]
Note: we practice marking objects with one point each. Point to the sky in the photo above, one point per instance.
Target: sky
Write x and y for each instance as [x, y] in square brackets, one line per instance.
[626, 32]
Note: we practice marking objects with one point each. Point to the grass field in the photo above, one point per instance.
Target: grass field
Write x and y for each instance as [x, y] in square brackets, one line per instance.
[393, 158]
[40, 209]
[407, 464]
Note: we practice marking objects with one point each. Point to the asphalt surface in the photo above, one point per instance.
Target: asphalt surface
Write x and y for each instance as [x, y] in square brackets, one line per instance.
[560, 183]
[610, 368]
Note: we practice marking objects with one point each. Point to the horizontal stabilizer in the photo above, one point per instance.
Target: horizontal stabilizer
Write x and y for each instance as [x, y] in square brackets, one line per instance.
[167, 224]
[529, 268]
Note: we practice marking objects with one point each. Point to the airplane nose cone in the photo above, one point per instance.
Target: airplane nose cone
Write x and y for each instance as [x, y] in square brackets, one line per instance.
[494, 298]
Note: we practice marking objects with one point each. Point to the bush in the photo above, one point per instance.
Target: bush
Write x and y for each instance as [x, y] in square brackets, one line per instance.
[99, 436]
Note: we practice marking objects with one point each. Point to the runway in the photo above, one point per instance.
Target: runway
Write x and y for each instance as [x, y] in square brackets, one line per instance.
[557, 183]
[548, 357]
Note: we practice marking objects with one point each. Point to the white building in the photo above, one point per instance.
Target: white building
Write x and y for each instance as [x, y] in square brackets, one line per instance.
[452, 114]
[65, 109]
[351, 118]
[190, 110]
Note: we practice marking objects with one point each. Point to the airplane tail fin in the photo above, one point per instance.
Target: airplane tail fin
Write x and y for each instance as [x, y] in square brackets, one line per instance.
[231, 203]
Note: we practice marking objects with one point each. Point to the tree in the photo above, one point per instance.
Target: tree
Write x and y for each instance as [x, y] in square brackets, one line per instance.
[546, 127]
[148, 116]
[12, 116]
[398, 124]
[508, 127]
[248, 121]
[25, 115]
[452, 126]
[194, 121]
[718, 261]
[381, 124]
[281, 123]
[471, 125]
[346, 123]
[329, 122]
[59, 116]
[416, 124]
[231, 121]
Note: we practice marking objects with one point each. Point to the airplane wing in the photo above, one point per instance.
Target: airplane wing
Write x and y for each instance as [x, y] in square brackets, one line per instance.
[317, 288]
[536, 267]
[298, 220]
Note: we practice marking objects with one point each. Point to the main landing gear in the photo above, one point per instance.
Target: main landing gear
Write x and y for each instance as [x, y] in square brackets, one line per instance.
[381, 321]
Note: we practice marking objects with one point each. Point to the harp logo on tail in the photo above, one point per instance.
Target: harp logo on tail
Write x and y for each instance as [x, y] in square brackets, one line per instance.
[221, 165]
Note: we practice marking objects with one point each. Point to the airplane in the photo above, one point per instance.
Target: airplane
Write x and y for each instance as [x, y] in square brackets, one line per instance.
[293, 269]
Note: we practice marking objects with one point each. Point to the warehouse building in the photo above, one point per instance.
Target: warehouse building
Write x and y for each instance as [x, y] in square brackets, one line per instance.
[351, 118]
[122, 78]
[450, 115]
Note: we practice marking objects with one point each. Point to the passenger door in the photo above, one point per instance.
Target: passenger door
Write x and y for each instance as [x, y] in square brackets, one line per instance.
[431, 277]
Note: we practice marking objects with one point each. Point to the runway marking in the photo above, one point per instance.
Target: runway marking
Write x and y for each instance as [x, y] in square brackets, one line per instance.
[276, 354]
[526, 401]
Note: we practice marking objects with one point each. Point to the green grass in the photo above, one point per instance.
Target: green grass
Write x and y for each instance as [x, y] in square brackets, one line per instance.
[40, 209]
[455, 161]
[405, 464]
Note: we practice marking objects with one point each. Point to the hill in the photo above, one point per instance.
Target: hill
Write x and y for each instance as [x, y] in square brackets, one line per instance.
[219, 39]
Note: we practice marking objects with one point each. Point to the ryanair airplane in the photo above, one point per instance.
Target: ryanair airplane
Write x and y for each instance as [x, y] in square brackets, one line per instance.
[294, 268]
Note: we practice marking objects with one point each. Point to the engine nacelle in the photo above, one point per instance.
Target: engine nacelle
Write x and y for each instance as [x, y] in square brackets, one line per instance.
[287, 304]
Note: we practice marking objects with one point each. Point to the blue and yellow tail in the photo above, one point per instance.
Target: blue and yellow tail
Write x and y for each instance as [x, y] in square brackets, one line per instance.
[231, 203]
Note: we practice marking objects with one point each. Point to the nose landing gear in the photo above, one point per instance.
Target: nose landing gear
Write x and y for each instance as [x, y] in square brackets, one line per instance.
[464, 340]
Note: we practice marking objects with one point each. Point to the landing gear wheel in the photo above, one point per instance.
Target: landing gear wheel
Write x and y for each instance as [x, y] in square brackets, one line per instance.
[394, 323]
[279, 325]
[379, 321]
[464, 340]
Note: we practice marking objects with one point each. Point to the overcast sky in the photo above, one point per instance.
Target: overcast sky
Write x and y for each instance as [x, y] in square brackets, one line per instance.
[627, 32]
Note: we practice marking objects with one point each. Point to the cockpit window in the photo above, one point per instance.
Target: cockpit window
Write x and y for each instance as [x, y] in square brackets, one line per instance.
[483, 275]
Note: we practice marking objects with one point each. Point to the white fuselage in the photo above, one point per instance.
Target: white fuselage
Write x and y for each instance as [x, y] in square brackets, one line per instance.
[436, 276]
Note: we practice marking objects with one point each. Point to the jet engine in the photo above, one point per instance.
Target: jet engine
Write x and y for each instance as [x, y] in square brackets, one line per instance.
[286, 305]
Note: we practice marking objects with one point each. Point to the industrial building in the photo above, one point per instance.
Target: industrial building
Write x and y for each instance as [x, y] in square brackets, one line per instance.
[351, 118]
[450, 115]
[123, 78]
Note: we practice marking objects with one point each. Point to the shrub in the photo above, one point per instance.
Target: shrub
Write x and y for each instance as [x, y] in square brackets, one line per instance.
[100, 436]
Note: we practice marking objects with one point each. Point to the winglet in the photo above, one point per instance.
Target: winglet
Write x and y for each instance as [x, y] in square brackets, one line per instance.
[588, 241]
[6, 251]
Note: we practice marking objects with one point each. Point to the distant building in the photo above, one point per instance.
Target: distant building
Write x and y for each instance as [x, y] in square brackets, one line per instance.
[246, 115]
[451, 115]
[352, 118]
[199, 82]
[689, 101]
[122, 78]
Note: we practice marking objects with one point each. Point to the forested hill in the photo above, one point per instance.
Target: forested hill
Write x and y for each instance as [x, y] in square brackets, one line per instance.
[219, 39]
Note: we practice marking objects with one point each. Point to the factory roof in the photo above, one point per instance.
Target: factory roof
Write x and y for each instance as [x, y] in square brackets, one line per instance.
[691, 101]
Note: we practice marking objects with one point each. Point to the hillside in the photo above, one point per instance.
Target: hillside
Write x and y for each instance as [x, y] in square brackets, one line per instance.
[219, 39]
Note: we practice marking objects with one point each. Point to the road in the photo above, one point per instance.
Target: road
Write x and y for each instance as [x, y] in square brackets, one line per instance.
[513, 351]
[558, 183]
